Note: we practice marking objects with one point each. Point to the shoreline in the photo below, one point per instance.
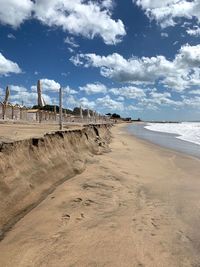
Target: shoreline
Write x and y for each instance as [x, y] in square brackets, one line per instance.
[137, 205]
[160, 139]
[160, 147]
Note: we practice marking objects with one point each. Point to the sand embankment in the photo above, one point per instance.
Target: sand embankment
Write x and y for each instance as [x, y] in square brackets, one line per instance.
[137, 206]
[30, 169]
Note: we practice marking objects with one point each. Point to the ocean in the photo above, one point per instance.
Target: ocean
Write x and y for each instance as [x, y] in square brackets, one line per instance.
[182, 137]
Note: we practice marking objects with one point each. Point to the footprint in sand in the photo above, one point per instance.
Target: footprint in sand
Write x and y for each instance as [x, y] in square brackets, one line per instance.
[88, 202]
[154, 224]
[152, 234]
[78, 200]
[65, 217]
[81, 217]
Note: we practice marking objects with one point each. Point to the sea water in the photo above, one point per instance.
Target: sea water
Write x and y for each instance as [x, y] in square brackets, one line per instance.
[187, 131]
[182, 137]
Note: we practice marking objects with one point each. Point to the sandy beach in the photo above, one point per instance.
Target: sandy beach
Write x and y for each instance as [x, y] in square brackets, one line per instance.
[138, 205]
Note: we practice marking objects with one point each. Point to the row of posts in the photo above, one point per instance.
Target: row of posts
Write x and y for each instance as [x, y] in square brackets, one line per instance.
[17, 112]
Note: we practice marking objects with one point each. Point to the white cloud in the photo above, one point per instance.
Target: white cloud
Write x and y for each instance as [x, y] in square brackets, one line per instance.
[192, 102]
[71, 50]
[79, 17]
[120, 98]
[85, 103]
[118, 68]
[69, 91]
[11, 36]
[102, 103]
[47, 85]
[194, 32]
[150, 4]
[70, 41]
[129, 92]
[107, 102]
[134, 108]
[164, 34]
[94, 88]
[20, 94]
[157, 99]
[178, 74]
[175, 43]
[16, 88]
[15, 12]
[107, 4]
[195, 92]
[65, 74]
[7, 66]
[71, 101]
[166, 12]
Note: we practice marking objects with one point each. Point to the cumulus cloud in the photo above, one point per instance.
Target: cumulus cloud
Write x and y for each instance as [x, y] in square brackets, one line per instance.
[107, 4]
[85, 103]
[78, 17]
[156, 99]
[47, 85]
[178, 74]
[16, 88]
[164, 34]
[118, 68]
[195, 92]
[194, 32]
[11, 36]
[149, 99]
[94, 88]
[70, 41]
[192, 102]
[15, 12]
[129, 92]
[69, 91]
[52, 86]
[166, 12]
[108, 103]
[21, 94]
[7, 66]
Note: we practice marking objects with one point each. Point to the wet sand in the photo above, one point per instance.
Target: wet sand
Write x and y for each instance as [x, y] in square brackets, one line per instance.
[138, 205]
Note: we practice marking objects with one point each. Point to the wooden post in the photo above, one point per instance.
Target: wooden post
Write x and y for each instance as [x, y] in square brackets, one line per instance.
[40, 116]
[60, 109]
[3, 111]
[12, 112]
[55, 113]
[20, 112]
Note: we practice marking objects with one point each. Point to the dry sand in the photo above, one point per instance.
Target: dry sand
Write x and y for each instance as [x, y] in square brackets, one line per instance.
[15, 131]
[138, 205]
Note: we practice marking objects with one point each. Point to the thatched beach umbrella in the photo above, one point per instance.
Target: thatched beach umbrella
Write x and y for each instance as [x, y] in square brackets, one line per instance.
[81, 113]
[7, 95]
[88, 113]
[41, 102]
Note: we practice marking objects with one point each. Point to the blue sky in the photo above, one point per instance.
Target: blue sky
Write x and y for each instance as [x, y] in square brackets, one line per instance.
[139, 58]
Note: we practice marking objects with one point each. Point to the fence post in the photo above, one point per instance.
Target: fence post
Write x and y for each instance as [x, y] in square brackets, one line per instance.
[12, 112]
[55, 113]
[60, 109]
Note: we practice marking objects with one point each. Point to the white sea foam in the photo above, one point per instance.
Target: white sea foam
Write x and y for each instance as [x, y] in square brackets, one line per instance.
[187, 131]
